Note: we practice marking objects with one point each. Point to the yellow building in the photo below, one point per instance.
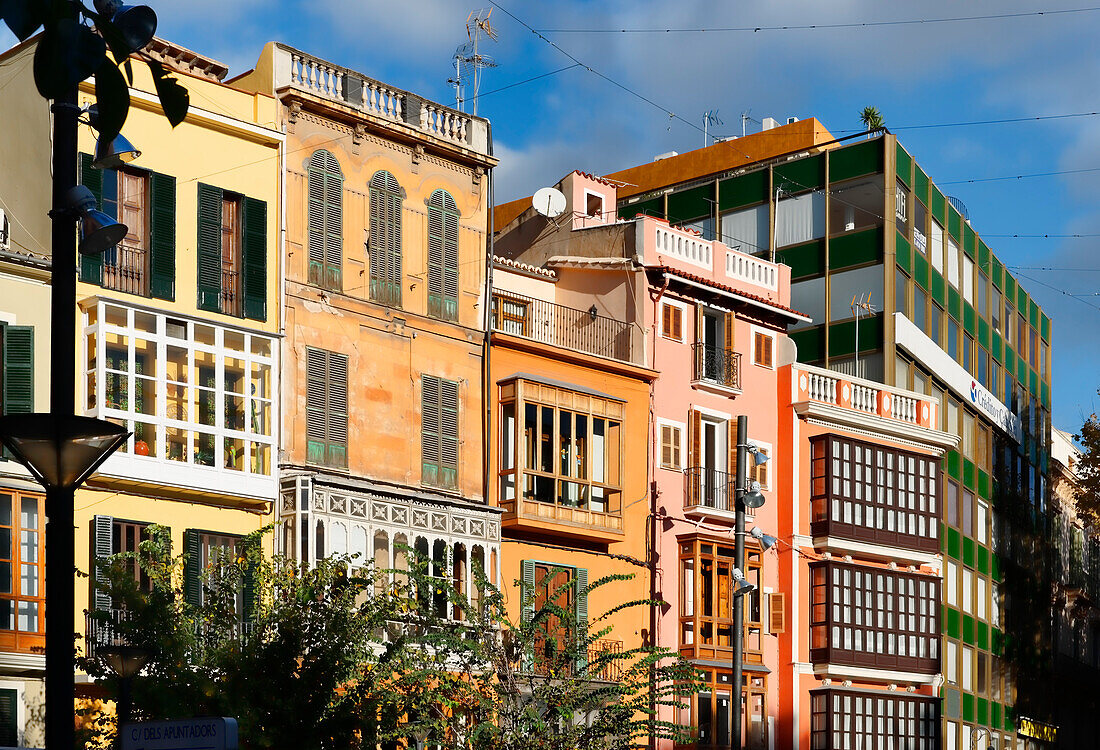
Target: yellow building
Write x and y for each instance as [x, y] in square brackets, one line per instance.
[178, 332]
[384, 318]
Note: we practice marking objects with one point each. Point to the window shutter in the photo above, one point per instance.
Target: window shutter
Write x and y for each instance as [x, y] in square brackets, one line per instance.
[450, 260]
[91, 266]
[731, 440]
[728, 330]
[777, 613]
[334, 225]
[666, 319]
[768, 342]
[677, 323]
[9, 717]
[192, 568]
[102, 548]
[448, 434]
[430, 429]
[527, 614]
[580, 581]
[249, 582]
[210, 248]
[666, 445]
[162, 236]
[316, 220]
[18, 369]
[337, 421]
[435, 256]
[254, 258]
[316, 418]
[325, 220]
[695, 430]
[385, 239]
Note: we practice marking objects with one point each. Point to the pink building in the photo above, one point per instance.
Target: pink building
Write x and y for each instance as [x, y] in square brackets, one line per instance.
[713, 321]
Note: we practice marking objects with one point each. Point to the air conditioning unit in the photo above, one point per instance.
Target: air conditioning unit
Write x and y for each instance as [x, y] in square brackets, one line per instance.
[769, 123]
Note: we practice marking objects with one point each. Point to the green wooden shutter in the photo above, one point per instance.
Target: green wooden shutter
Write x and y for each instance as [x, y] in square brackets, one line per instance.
[162, 236]
[316, 401]
[448, 434]
[9, 717]
[580, 582]
[102, 548]
[254, 258]
[435, 255]
[18, 369]
[316, 219]
[251, 592]
[450, 262]
[527, 614]
[430, 429]
[336, 423]
[385, 239]
[192, 568]
[210, 248]
[91, 266]
[325, 220]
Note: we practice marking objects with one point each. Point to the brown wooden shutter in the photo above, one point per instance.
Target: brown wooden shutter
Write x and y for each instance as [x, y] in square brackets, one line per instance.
[694, 436]
[666, 445]
[728, 331]
[676, 447]
[678, 323]
[732, 442]
[666, 320]
[777, 613]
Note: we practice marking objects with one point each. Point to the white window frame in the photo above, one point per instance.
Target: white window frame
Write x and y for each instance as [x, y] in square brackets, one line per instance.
[771, 335]
[682, 427]
[160, 469]
[603, 204]
[683, 319]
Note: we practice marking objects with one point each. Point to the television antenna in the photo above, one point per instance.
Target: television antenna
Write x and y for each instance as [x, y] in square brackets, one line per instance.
[745, 119]
[710, 117]
[469, 61]
[861, 307]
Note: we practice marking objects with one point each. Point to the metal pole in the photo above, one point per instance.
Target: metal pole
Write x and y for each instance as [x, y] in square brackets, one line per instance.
[60, 537]
[124, 706]
[739, 561]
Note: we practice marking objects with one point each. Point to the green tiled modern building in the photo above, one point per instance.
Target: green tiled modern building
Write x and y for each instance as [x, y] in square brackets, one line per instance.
[858, 219]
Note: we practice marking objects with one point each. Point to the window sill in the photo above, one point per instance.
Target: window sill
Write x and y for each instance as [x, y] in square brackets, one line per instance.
[713, 386]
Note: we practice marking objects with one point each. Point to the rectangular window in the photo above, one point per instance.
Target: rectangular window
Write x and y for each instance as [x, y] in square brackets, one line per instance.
[439, 432]
[511, 314]
[231, 256]
[672, 322]
[901, 208]
[935, 323]
[708, 628]
[232, 253]
[193, 394]
[953, 338]
[856, 204]
[800, 219]
[952, 262]
[937, 246]
[17, 363]
[995, 310]
[568, 446]
[968, 279]
[22, 571]
[326, 408]
[920, 223]
[762, 349]
[983, 290]
[920, 307]
[566, 589]
[747, 229]
[901, 292]
[670, 447]
[852, 720]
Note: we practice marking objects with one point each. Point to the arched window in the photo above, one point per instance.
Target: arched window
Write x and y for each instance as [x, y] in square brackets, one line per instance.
[442, 256]
[385, 239]
[326, 221]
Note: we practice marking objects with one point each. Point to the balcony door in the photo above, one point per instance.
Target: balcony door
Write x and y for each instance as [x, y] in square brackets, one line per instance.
[713, 455]
[712, 333]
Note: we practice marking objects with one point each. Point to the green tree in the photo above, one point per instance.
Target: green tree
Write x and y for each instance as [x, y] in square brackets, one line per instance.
[871, 118]
[1088, 472]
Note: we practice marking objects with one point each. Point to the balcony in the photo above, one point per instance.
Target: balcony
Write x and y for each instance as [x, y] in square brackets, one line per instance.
[581, 520]
[298, 70]
[125, 269]
[565, 327]
[547, 662]
[874, 618]
[710, 492]
[716, 365]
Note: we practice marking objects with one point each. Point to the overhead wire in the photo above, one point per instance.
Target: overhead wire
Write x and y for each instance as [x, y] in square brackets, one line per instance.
[822, 26]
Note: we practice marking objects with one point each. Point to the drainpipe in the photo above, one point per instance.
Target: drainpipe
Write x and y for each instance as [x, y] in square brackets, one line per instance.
[487, 311]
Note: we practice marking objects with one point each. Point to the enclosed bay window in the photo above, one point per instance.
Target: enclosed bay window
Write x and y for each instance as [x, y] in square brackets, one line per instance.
[193, 394]
[747, 229]
[560, 447]
[22, 571]
[861, 719]
[706, 600]
[800, 218]
[856, 204]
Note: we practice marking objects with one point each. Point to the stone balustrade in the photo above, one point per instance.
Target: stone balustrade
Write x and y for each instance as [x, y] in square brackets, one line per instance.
[866, 396]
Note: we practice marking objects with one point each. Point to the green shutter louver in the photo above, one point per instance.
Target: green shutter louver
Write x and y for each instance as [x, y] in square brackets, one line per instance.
[254, 258]
[326, 228]
[209, 248]
[91, 266]
[429, 430]
[326, 408]
[192, 568]
[442, 256]
[9, 717]
[162, 236]
[439, 432]
[249, 549]
[102, 548]
[580, 582]
[386, 197]
[527, 599]
[18, 369]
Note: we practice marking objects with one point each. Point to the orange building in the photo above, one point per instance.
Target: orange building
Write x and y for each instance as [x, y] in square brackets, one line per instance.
[382, 312]
[570, 426]
[859, 550]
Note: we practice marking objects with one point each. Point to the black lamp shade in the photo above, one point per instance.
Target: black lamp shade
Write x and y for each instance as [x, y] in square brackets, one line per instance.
[61, 452]
[137, 24]
[99, 232]
[125, 661]
[753, 498]
[113, 154]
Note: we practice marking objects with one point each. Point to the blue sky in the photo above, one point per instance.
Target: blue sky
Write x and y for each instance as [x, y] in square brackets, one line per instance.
[927, 74]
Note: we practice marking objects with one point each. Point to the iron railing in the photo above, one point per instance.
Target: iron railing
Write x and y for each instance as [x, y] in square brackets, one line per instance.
[558, 325]
[709, 488]
[230, 294]
[548, 662]
[126, 269]
[716, 364]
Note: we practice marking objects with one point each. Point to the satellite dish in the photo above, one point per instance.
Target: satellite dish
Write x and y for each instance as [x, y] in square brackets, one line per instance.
[549, 202]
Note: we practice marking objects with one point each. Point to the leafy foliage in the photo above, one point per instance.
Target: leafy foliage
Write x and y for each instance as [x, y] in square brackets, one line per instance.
[74, 45]
[1088, 472]
[337, 659]
[871, 118]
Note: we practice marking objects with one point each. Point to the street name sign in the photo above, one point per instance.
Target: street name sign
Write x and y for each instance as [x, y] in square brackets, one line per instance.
[213, 733]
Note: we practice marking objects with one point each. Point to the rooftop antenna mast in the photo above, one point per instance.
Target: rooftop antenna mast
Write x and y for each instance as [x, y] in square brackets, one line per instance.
[745, 119]
[860, 307]
[710, 117]
[469, 61]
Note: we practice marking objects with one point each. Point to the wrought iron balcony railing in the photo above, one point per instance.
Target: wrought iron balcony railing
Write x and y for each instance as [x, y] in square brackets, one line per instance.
[549, 323]
[546, 662]
[126, 269]
[716, 364]
[710, 489]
